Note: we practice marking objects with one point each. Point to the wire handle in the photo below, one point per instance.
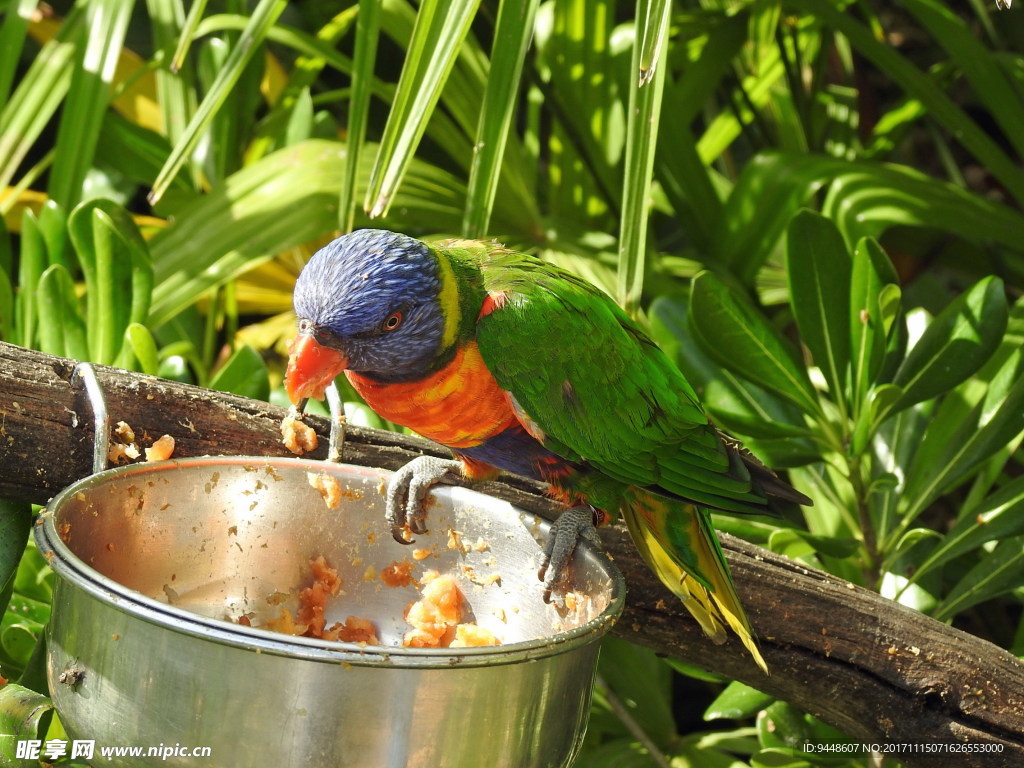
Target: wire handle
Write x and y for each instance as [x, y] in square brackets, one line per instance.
[336, 445]
[86, 374]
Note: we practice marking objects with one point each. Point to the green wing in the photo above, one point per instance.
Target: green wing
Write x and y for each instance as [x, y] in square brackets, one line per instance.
[600, 390]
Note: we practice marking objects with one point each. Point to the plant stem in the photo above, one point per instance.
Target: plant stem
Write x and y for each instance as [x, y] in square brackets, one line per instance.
[621, 712]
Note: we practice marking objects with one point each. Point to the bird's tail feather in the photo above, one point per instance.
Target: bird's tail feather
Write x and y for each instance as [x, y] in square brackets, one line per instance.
[677, 542]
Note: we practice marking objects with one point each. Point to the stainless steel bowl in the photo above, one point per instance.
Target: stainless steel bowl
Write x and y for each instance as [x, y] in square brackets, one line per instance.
[157, 563]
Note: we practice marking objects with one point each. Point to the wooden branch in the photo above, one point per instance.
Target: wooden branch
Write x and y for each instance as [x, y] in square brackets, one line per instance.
[878, 671]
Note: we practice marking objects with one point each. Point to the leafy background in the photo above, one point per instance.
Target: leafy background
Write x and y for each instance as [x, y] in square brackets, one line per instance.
[830, 190]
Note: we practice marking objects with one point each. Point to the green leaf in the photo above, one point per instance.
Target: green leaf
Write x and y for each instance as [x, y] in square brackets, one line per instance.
[118, 274]
[644, 111]
[945, 458]
[367, 36]
[31, 265]
[15, 524]
[872, 271]
[976, 61]
[7, 329]
[262, 19]
[1000, 516]
[955, 344]
[39, 93]
[143, 347]
[781, 725]
[512, 36]
[438, 34]
[61, 325]
[995, 574]
[737, 701]
[24, 714]
[12, 39]
[741, 340]
[244, 374]
[686, 180]
[53, 224]
[285, 199]
[640, 678]
[818, 268]
[914, 82]
[88, 98]
[777, 757]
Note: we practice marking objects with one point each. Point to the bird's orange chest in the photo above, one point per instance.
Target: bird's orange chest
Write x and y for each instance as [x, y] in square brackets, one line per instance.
[460, 405]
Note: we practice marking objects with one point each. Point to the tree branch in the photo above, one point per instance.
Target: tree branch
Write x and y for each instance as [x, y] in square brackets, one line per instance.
[876, 670]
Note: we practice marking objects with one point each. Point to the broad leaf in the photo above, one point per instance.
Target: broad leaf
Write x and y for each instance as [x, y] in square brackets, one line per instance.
[61, 325]
[996, 573]
[956, 343]
[15, 524]
[24, 714]
[999, 517]
[741, 340]
[871, 271]
[244, 374]
[737, 701]
[818, 268]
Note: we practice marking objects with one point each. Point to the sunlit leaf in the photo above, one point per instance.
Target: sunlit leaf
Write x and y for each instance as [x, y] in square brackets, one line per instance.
[996, 573]
[818, 268]
[737, 337]
[440, 29]
[956, 343]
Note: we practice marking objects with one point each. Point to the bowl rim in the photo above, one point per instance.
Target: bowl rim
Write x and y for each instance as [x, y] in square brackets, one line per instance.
[75, 572]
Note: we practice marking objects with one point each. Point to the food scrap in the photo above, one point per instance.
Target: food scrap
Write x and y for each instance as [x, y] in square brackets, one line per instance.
[435, 615]
[328, 486]
[122, 447]
[297, 436]
[435, 618]
[398, 574]
[309, 620]
[472, 636]
[161, 449]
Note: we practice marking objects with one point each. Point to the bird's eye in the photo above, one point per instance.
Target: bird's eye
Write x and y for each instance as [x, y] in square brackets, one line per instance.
[392, 321]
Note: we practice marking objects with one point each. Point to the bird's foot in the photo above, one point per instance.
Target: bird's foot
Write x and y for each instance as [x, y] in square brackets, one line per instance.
[408, 491]
[574, 524]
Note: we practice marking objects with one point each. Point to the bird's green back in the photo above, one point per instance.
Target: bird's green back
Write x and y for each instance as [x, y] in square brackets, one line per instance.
[597, 386]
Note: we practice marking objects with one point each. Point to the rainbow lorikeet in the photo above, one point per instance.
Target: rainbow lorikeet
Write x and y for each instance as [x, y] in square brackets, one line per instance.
[517, 365]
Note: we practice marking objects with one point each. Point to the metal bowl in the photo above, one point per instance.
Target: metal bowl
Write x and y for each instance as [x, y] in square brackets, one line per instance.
[158, 562]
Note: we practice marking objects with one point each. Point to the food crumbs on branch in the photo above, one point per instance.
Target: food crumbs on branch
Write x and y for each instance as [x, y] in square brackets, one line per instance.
[161, 449]
[297, 436]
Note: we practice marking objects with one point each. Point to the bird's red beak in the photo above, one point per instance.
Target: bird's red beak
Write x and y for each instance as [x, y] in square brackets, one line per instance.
[311, 368]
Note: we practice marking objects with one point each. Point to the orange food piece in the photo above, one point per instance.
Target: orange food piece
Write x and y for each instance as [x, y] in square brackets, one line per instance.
[328, 486]
[354, 630]
[313, 599]
[161, 449]
[436, 613]
[398, 574]
[472, 636]
[297, 436]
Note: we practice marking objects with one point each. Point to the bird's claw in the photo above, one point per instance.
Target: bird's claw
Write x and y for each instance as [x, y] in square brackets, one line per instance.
[408, 490]
[574, 524]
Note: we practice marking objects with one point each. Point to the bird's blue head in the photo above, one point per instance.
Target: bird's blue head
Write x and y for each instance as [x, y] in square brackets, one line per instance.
[370, 302]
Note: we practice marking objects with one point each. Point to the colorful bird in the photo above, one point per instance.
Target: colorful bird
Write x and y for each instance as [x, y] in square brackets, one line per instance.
[517, 365]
